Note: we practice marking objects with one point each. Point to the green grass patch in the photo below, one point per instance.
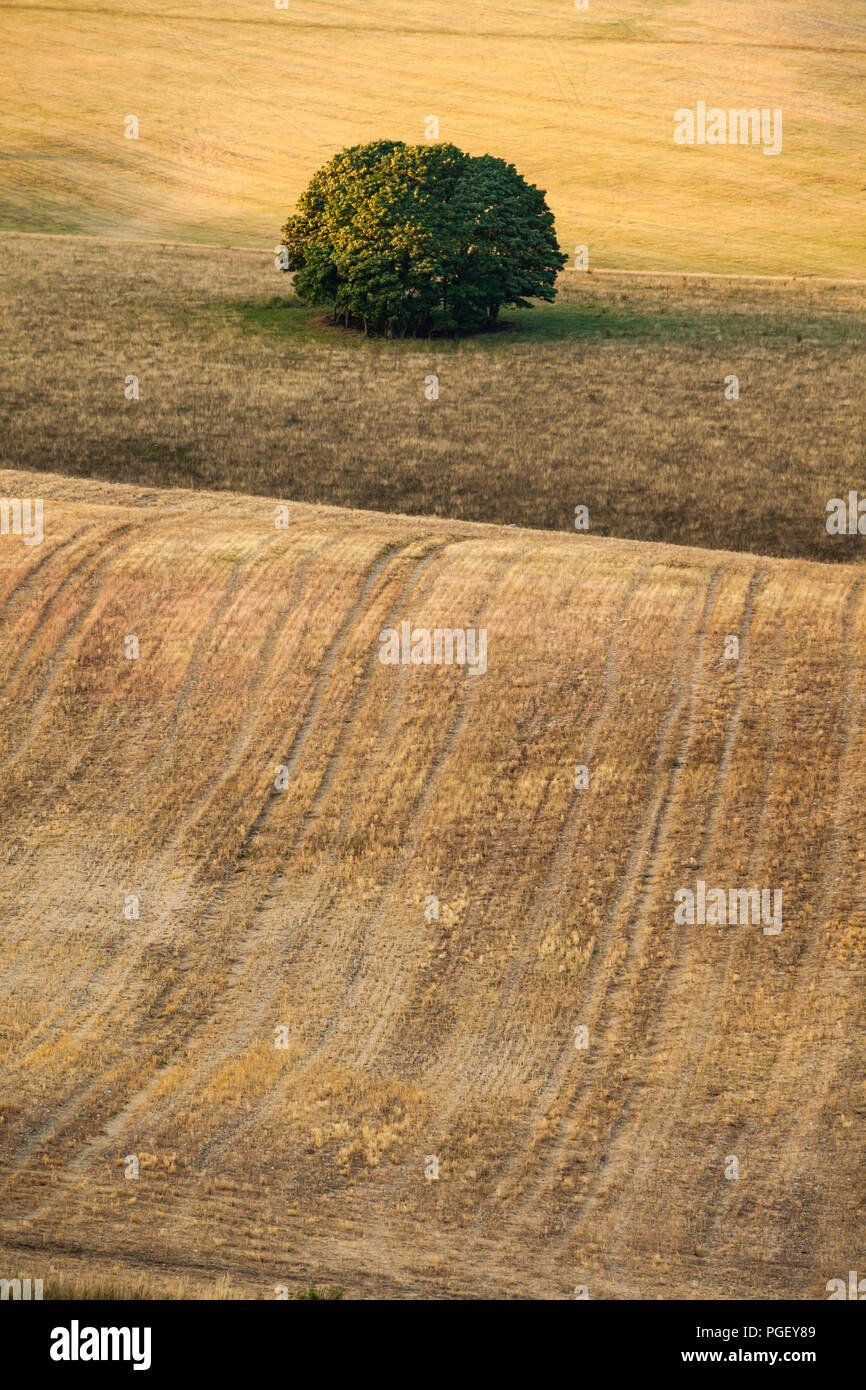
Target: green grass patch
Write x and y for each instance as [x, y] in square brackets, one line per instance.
[572, 321]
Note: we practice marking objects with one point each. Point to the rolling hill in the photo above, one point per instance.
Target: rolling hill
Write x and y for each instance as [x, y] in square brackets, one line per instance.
[337, 1022]
[238, 102]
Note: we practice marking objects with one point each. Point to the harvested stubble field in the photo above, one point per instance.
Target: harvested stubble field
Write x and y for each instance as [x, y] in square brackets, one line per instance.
[612, 398]
[238, 103]
[412, 1036]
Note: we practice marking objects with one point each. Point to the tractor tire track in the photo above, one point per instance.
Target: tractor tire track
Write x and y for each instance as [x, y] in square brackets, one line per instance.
[608, 994]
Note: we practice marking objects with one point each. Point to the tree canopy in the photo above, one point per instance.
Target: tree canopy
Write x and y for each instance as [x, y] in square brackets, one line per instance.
[419, 239]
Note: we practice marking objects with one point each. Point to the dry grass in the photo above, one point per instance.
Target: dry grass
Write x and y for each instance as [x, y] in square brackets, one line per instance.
[239, 103]
[265, 1169]
[613, 397]
[407, 1037]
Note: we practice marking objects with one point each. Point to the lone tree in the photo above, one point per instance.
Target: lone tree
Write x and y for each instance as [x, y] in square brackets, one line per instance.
[417, 239]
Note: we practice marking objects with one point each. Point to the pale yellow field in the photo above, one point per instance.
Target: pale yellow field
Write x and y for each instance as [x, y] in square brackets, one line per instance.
[413, 1036]
[239, 103]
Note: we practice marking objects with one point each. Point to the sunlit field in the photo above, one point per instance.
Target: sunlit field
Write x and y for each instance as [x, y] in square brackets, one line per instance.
[238, 103]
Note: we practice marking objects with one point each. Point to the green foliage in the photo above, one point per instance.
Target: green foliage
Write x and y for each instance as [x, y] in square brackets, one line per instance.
[421, 239]
[313, 1293]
